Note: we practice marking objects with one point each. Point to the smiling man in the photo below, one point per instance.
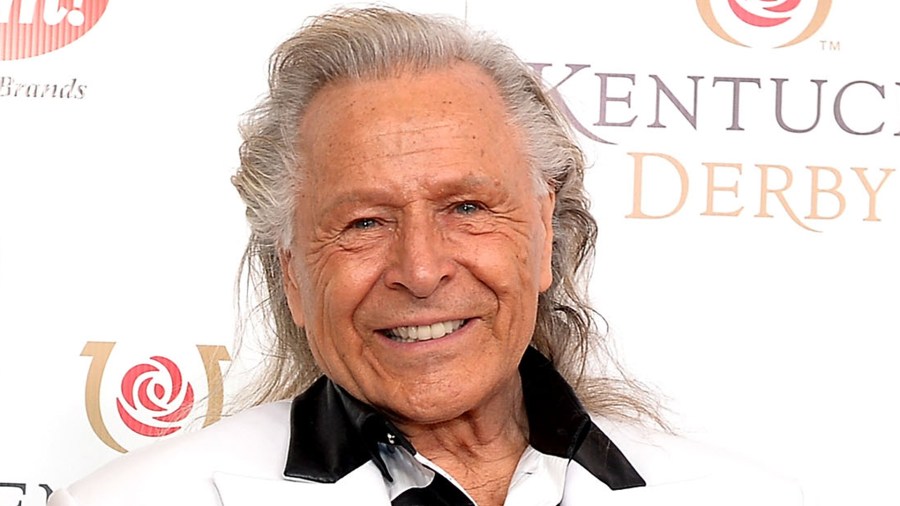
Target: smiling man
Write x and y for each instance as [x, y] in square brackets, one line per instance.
[421, 242]
[419, 227]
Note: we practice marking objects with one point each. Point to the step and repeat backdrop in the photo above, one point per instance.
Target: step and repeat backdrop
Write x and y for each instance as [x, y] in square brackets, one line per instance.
[743, 159]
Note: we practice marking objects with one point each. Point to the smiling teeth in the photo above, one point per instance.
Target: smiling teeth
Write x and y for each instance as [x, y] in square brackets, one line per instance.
[424, 332]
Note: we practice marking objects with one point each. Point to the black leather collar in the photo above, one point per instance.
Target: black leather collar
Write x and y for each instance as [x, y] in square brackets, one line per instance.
[559, 425]
[332, 433]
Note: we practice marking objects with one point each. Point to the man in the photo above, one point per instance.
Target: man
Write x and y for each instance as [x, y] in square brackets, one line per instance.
[419, 221]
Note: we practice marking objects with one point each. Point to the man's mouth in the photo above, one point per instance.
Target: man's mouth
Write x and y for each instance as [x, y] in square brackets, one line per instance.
[419, 333]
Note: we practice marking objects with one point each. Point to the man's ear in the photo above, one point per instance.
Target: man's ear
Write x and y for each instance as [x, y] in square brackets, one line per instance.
[548, 204]
[291, 287]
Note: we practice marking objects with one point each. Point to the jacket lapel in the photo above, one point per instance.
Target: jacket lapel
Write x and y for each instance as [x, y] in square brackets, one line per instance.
[729, 488]
[363, 486]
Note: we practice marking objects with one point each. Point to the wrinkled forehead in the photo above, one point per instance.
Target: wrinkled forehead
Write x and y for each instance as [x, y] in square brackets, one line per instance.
[417, 115]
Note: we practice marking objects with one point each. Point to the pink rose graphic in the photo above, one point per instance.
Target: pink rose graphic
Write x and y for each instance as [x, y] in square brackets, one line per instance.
[765, 8]
[154, 399]
[29, 29]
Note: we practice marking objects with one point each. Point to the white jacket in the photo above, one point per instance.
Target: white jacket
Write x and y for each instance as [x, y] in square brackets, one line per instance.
[309, 452]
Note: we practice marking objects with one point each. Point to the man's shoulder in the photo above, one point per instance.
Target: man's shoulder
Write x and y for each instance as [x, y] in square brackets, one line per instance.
[675, 465]
[251, 443]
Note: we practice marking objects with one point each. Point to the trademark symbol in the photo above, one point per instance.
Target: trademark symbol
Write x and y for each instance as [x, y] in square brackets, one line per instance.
[830, 45]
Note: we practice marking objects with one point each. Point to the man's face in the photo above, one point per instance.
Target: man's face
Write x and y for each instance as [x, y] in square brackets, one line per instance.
[420, 243]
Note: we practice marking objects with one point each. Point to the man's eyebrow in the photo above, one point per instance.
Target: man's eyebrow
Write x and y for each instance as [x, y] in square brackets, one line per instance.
[448, 187]
[353, 197]
[467, 184]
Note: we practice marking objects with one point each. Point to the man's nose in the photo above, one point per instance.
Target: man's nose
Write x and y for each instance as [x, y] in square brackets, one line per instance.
[421, 258]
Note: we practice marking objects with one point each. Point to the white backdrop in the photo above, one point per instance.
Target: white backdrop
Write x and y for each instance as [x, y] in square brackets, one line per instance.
[767, 324]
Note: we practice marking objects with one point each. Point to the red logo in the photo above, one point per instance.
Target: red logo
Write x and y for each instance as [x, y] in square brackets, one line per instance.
[774, 23]
[33, 27]
[772, 14]
[155, 399]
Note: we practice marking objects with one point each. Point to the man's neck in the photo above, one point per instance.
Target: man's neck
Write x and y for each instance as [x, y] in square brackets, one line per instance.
[479, 449]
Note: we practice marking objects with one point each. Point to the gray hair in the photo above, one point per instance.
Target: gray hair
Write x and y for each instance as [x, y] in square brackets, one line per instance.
[373, 43]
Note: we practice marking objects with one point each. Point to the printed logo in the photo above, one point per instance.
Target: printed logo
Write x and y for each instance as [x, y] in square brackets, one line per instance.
[155, 394]
[764, 23]
[154, 398]
[33, 27]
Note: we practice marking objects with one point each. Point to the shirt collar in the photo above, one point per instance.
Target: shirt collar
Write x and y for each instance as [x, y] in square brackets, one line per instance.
[332, 433]
[558, 425]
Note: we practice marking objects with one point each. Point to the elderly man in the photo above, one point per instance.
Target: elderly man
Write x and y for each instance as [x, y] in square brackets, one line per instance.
[419, 223]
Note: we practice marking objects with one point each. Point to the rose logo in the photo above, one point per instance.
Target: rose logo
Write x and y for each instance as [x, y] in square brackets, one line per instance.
[155, 398]
[755, 15]
[31, 28]
[763, 19]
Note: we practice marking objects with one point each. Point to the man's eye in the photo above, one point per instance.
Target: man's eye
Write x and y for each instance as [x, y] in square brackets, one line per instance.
[364, 223]
[467, 208]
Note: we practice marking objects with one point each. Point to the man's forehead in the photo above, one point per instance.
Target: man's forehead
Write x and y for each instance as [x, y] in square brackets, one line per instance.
[461, 89]
[415, 126]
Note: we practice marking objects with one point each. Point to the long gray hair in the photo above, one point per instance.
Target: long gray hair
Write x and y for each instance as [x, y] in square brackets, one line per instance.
[359, 44]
